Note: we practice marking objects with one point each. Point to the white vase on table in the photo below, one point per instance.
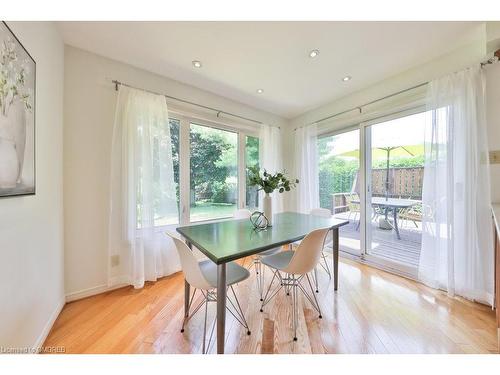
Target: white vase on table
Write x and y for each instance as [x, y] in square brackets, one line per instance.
[268, 208]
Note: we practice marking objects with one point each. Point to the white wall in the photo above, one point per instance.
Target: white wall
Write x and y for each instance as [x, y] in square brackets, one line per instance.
[88, 115]
[31, 227]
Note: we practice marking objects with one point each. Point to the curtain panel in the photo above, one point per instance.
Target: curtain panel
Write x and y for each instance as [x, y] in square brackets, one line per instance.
[306, 168]
[142, 191]
[271, 159]
[457, 239]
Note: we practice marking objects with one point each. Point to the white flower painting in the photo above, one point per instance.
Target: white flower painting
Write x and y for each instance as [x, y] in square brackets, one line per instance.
[17, 116]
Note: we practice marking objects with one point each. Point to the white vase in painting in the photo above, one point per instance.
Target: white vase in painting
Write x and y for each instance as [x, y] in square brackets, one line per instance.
[12, 145]
[267, 205]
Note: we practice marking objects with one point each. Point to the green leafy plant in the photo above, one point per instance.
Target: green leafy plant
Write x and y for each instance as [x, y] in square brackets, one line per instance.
[270, 182]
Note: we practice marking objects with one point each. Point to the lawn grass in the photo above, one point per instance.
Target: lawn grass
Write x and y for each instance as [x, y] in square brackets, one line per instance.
[208, 210]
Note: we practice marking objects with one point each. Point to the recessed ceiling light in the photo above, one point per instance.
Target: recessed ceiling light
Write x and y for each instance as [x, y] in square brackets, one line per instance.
[197, 64]
[314, 53]
[260, 91]
[346, 78]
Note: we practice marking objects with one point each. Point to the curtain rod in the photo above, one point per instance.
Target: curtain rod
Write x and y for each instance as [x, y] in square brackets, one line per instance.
[219, 111]
[359, 107]
[491, 60]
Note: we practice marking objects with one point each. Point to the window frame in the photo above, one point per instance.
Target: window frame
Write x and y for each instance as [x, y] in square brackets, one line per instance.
[186, 118]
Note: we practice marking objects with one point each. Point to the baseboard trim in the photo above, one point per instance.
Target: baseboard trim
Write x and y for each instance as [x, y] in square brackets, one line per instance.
[380, 266]
[48, 326]
[74, 296]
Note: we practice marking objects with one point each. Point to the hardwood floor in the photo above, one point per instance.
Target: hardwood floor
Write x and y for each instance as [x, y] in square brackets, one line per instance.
[372, 312]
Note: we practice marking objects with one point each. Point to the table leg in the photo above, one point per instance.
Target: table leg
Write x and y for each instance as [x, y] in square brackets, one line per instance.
[395, 210]
[221, 307]
[335, 244]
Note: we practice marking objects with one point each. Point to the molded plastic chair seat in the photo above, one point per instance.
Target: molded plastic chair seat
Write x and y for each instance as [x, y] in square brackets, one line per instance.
[272, 251]
[234, 272]
[278, 261]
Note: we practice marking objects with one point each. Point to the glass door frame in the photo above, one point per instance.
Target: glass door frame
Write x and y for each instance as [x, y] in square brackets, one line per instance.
[365, 158]
[365, 184]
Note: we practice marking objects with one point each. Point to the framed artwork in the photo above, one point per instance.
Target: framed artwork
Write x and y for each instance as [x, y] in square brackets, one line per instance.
[17, 116]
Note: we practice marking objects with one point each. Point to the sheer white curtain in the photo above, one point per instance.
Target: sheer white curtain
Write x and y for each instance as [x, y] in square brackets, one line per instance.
[271, 159]
[142, 191]
[457, 245]
[306, 168]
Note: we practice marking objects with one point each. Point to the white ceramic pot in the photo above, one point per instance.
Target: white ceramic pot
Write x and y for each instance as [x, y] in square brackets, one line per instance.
[12, 146]
[9, 164]
[267, 205]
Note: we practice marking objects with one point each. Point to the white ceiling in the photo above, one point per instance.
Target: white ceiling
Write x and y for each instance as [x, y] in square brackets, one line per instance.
[240, 57]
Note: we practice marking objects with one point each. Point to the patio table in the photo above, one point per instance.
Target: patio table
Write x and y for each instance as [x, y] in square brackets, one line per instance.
[392, 203]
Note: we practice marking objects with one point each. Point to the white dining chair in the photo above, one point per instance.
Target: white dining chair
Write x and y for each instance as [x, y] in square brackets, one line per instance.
[290, 269]
[328, 247]
[244, 213]
[202, 276]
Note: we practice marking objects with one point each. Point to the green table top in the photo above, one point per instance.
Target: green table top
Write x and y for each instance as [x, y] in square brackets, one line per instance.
[229, 240]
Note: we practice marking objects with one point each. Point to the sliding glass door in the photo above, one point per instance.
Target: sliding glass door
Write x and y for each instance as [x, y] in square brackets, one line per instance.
[394, 170]
[339, 184]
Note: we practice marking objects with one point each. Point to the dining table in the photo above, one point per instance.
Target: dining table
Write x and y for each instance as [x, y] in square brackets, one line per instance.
[229, 240]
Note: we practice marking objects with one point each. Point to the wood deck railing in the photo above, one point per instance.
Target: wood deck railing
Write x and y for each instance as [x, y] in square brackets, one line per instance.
[403, 182]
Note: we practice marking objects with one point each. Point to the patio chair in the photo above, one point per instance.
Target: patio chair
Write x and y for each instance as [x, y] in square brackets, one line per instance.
[413, 213]
[352, 206]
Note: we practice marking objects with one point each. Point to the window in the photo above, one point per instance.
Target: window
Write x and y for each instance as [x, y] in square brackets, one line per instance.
[213, 173]
[207, 162]
[251, 160]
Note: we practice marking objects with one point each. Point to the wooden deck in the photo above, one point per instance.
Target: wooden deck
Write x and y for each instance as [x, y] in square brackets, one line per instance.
[384, 243]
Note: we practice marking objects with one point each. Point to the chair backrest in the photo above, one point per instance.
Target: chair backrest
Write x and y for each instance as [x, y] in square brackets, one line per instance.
[242, 213]
[323, 212]
[308, 253]
[189, 264]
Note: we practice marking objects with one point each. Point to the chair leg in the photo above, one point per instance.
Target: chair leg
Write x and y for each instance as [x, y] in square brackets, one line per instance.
[314, 296]
[295, 308]
[316, 279]
[205, 325]
[186, 318]
[260, 281]
[266, 300]
[325, 266]
[238, 311]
